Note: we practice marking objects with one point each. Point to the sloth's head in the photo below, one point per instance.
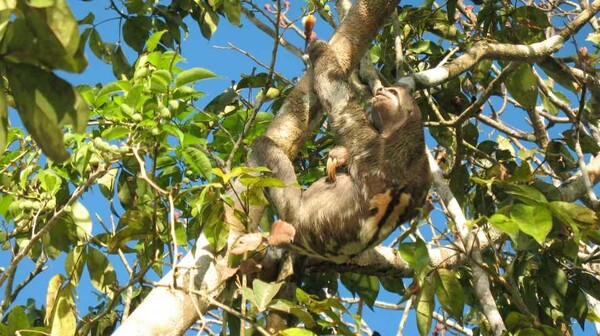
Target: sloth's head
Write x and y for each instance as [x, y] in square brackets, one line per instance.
[393, 106]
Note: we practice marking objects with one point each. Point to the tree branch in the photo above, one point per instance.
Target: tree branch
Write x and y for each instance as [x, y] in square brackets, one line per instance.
[500, 51]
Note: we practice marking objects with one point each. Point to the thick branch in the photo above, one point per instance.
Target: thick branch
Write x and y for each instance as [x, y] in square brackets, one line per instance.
[500, 51]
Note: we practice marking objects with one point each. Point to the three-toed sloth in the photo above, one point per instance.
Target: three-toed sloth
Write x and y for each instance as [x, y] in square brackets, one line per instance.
[387, 173]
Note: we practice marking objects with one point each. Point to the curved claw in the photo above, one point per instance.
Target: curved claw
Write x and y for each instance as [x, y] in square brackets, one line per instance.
[331, 167]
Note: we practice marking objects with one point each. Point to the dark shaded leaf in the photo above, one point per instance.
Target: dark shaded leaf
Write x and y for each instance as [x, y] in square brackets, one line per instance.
[46, 103]
[424, 307]
[3, 119]
[366, 286]
[450, 293]
[522, 85]
[102, 273]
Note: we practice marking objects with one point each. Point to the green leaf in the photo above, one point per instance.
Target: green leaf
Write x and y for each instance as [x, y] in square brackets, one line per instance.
[553, 282]
[99, 48]
[535, 221]
[529, 332]
[261, 181]
[87, 20]
[451, 5]
[577, 308]
[115, 132]
[264, 293]
[532, 17]
[576, 216]
[40, 3]
[297, 332]
[207, 20]
[416, 255]
[366, 286]
[233, 9]
[450, 293]
[294, 309]
[522, 173]
[17, 320]
[107, 183]
[120, 65]
[215, 229]
[76, 259]
[50, 181]
[49, 34]
[559, 158]
[523, 193]
[81, 217]
[102, 273]
[424, 307]
[198, 161]
[135, 32]
[557, 70]
[506, 225]
[160, 81]
[131, 227]
[424, 47]
[193, 75]
[588, 282]
[3, 119]
[392, 284]
[64, 321]
[153, 40]
[46, 103]
[522, 85]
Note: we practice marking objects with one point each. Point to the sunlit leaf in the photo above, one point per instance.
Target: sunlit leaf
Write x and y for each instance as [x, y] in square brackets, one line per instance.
[81, 217]
[17, 320]
[535, 221]
[153, 40]
[264, 292]
[506, 225]
[64, 321]
[193, 75]
[416, 255]
[198, 161]
[297, 332]
[54, 286]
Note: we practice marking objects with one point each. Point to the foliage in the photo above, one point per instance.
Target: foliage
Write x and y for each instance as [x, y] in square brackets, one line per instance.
[161, 159]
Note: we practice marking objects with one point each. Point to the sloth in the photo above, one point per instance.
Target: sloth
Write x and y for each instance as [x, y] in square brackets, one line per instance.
[385, 176]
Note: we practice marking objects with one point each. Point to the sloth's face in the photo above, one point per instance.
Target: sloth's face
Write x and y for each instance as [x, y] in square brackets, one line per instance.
[387, 99]
[391, 107]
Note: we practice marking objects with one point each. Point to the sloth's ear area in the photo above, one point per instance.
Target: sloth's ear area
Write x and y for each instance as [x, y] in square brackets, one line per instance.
[316, 49]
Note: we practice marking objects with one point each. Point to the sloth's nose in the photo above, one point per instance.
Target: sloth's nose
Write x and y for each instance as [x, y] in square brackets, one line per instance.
[379, 90]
